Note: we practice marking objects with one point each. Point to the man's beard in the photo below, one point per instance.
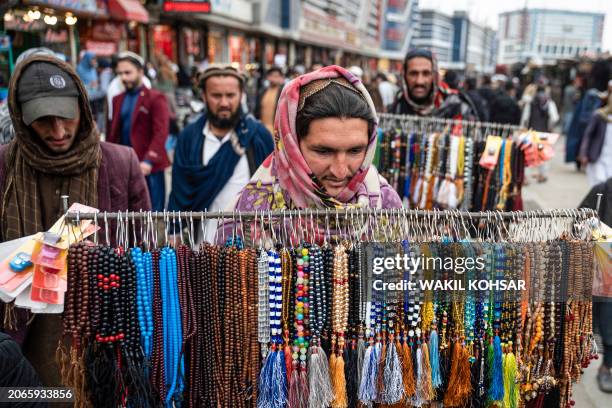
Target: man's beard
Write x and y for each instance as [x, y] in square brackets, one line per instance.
[130, 86]
[224, 123]
[420, 101]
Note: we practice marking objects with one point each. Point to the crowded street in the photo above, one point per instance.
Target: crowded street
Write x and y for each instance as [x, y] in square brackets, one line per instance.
[305, 203]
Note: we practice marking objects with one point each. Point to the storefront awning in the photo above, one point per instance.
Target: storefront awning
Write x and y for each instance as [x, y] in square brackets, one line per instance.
[130, 10]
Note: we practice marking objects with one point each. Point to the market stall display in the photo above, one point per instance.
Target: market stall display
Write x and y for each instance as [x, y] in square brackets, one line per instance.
[295, 323]
[447, 164]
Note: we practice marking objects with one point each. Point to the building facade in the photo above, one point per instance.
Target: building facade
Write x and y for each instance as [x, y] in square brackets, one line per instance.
[473, 45]
[545, 36]
[436, 34]
[375, 34]
[459, 43]
[401, 21]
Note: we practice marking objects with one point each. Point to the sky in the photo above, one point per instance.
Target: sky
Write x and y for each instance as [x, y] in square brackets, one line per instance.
[486, 11]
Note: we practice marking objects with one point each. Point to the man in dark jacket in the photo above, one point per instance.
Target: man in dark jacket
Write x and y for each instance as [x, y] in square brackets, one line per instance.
[424, 94]
[142, 121]
[486, 89]
[504, 108]
[217, 154]
[15, 369]
[481, 104]
[57, 151]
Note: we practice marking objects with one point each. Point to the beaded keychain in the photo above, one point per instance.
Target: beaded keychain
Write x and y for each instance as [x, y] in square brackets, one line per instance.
[467, 174]
[391, 388]
[470, 303]
[289, 274]
[474, 330]
[263, 304]
[319, 382]
[298, 381]
[373, 322]
[355, 349]
[114, 359]
[76, 319]
[441, 184]
[273, 377]
[200, 391]
[340, 304]
[409, 157]
[412, 299]
[107, 284]
[427, 191]
[417, 187]
[144, 287]
[173, 330]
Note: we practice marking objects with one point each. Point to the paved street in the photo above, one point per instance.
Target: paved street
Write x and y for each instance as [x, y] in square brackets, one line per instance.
[566, 188]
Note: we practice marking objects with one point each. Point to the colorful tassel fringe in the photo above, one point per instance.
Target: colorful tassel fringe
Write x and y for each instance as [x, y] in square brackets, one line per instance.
[338, 381]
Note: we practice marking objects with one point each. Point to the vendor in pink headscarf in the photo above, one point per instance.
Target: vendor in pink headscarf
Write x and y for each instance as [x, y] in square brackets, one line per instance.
[325, 140]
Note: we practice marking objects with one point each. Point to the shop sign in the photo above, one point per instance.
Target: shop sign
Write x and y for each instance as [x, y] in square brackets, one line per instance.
[315, 26]
[87, 6]
[101, 48]
[240, 10]
[107, 31]
[187, 6]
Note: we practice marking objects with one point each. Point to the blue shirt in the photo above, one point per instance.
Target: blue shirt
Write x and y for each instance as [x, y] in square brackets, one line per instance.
[127, 109]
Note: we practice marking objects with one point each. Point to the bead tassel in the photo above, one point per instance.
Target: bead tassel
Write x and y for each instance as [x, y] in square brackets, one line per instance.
[434, 352]
[338, 380]
[425, 385]
[408, 371]
[321, 392]
[459, 386]
[392, 377]
[380, 384]
[511, 390]
[496, 391]
[367, 388]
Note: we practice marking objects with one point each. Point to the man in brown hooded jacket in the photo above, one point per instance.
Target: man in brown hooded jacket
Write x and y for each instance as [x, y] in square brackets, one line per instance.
[57, 151]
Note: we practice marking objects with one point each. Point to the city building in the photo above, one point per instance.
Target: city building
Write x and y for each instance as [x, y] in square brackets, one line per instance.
[545, 36]
[253, 34]
[400, 26]
[279, 32]
[459, 43]
[436, 34]
[473, 47]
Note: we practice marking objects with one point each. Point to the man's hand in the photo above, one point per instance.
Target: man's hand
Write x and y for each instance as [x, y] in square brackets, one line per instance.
[146, 168]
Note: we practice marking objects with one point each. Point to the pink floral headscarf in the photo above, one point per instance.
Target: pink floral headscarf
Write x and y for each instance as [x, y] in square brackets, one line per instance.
[287, 163]
[284, 180]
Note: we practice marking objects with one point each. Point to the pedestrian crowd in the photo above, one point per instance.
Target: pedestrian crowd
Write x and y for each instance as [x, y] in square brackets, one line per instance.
[112, 134]
[196, 153]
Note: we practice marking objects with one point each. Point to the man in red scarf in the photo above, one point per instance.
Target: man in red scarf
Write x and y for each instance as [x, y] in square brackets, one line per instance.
[424, 94]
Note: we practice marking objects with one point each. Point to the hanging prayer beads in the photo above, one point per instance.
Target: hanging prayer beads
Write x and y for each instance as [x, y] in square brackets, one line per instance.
[234, 326]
